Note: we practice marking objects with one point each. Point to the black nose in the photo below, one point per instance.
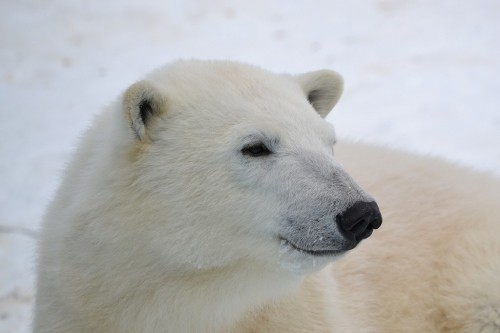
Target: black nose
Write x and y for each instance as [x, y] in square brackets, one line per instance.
[359, 220]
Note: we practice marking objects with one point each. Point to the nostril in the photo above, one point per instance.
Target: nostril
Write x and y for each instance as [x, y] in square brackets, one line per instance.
[360, 226]
[359, 220]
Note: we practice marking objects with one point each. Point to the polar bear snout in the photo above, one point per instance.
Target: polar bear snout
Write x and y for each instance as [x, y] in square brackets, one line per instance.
[358, 221]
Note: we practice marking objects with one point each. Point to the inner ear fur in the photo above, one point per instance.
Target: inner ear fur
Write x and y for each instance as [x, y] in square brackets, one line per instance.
[142, 103]
[323, 89]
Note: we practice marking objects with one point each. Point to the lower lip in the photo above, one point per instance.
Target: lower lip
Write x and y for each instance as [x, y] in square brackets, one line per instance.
[321, 253]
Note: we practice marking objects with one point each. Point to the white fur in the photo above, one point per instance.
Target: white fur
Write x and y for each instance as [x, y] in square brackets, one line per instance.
[162, 224]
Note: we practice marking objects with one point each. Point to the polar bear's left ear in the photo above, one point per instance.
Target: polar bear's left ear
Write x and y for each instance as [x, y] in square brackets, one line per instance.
[323, 89]
[142, 105]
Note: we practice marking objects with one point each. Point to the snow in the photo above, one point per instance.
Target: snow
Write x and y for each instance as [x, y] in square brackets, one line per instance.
[420, 75]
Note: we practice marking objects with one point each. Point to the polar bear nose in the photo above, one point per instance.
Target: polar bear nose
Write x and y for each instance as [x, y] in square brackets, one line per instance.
[359, 220]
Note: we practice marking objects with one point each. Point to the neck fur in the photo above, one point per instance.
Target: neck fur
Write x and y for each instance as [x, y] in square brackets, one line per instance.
[212, 301]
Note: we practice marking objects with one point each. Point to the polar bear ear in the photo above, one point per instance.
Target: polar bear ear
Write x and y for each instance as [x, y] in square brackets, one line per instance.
[142, 104]
[323, 89]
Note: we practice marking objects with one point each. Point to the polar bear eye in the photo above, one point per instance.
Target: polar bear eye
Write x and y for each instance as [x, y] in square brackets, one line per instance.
[256, 150]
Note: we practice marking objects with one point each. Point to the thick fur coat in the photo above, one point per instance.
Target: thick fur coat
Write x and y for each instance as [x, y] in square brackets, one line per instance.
[210, 198]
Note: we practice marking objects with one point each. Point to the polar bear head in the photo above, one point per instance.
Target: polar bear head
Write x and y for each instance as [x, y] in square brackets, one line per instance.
[231, 163]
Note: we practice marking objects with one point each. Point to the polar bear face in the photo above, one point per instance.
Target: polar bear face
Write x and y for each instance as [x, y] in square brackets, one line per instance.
[237, 163]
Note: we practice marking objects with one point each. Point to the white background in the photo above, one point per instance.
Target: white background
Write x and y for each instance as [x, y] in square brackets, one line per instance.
[420, 75]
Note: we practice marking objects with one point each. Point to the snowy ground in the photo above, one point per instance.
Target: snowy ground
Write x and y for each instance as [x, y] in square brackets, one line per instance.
[421, 75]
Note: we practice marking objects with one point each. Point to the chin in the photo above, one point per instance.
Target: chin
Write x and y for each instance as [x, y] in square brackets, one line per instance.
[302, 262]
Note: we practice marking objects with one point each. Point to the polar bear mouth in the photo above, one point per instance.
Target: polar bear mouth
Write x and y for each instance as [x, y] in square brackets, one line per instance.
[317, 253]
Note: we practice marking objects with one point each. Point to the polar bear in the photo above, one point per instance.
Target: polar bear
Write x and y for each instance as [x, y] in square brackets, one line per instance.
[210, 198]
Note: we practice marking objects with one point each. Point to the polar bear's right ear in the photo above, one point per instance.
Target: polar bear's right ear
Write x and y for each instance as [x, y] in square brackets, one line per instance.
[323, 89]
[142, 103]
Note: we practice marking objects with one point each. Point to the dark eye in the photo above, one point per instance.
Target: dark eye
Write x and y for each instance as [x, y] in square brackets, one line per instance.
[256, 150]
